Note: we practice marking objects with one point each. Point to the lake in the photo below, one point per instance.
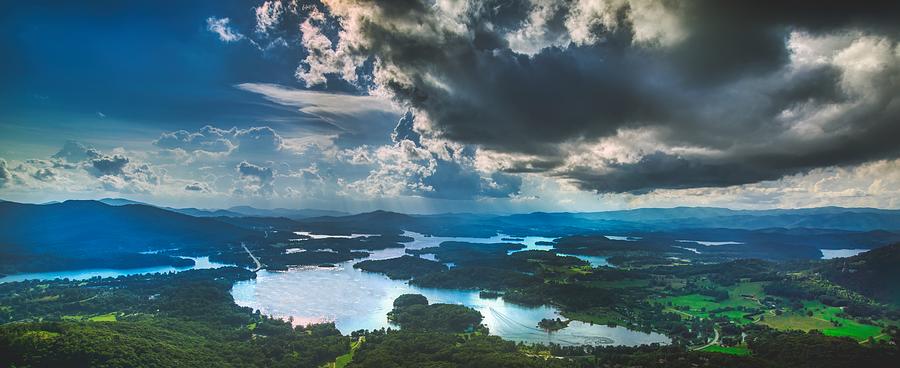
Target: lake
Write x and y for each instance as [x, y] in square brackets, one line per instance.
[199, 263]
[356, 300]
[840, 253]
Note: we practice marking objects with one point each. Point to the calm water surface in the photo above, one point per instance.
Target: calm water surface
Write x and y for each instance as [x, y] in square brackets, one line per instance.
[199, 263]
[355, 300]
[840, 253]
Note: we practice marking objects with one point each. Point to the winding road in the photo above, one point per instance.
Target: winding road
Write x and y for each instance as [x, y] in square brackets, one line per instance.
[258, 264]
[714, 341]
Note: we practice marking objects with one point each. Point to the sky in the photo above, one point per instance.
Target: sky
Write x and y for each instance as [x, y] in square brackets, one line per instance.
[452, 105]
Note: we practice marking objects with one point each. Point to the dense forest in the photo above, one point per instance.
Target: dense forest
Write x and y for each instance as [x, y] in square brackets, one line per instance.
[187, 319]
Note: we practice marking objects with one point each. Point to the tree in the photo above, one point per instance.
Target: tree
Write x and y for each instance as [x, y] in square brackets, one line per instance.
[406, 300]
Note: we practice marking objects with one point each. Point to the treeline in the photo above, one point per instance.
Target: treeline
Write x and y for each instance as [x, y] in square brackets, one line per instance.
[411, 349]
[405, 267]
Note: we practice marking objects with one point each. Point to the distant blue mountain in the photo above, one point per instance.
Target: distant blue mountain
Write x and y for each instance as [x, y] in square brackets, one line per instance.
[284, 212]
[835, 218]
[237, 211]
[114, 202]
[85, 234]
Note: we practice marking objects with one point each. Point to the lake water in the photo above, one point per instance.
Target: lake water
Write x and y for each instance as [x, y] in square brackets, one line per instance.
[199, 263]
[710, 243]
[840, 253]
[356, 300]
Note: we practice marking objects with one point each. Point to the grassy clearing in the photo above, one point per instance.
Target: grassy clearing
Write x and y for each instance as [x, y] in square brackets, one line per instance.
[733, 350]
[109, 317]
[343, 360]
[795, 321]
[821, 319]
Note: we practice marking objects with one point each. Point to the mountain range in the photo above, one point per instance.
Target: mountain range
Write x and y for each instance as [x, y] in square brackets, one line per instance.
[61, 233]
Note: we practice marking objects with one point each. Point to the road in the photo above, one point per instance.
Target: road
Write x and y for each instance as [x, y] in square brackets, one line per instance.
[714, 341]
[258, 265]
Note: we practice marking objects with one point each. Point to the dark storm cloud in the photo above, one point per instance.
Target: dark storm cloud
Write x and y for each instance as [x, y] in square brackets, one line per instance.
[109, 165]
[453, 176]
[452, 180]
[717, 79]
[265, 175]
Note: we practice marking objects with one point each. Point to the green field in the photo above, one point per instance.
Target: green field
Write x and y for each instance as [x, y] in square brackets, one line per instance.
[821, 318]
[343, 360]
[108, 317]
[733, 350]
[702, 306]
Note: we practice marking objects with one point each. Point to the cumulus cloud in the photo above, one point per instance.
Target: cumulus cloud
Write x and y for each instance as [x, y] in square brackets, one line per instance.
[109, 165]
[197, 187]
[258, 180]
[732, 92]
[5, 176]
[432, 169]
[259, 173]
[209, 139]
[73, 151]
[78, 167]
[268, 15]
[221, 27]
[44, 174]
[258, 140]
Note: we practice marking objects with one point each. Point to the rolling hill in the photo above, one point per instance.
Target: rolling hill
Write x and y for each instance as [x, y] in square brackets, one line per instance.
[68, 234]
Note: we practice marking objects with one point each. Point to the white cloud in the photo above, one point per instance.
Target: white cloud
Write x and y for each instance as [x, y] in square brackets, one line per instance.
[198, 187]
[257, 180]
[366, 118]
[220, 26]
[268, 15]
[208, 138]
[44, 174]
